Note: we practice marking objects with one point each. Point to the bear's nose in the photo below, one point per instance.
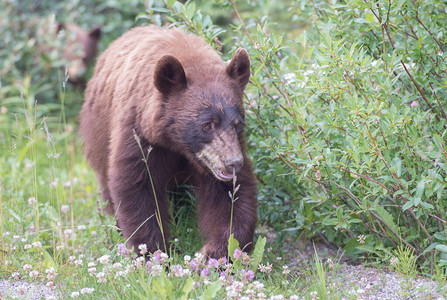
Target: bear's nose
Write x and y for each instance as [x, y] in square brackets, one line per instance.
[234, 164]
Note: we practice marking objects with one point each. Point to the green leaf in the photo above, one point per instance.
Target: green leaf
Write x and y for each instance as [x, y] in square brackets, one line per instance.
[442, 248]
[190, 10]
[397, 162]
[233, 244]
[161, 9]
[211, 290]
[387, 217]
[187, 288]
[420, 189]
[369, 17]
[440, 236]
[257, 254]
[408, 205]
[48, 260]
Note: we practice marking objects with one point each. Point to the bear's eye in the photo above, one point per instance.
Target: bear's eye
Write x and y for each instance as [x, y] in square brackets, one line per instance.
[207, 127]
[239, 127]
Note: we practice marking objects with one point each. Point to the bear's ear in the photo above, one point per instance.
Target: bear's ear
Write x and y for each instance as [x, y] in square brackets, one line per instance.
[239, 68]
[169, 75]
[95, 33]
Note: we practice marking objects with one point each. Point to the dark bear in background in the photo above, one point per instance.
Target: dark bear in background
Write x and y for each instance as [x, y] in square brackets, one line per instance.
[80, 50]
[175, 93]
[45, 47]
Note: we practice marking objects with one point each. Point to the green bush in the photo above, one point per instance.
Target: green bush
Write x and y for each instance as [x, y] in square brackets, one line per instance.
[347, 122]
[31, 48]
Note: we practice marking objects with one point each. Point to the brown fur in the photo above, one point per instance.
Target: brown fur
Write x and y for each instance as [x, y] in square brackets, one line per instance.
[81, 49]
[157, 83]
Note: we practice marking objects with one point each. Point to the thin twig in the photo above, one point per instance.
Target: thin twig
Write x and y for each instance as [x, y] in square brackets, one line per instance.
[353, 197]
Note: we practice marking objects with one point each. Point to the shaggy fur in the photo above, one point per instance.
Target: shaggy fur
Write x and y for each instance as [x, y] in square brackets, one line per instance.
[175, 93]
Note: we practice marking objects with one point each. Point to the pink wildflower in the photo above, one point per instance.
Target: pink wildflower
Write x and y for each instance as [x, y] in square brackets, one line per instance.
[237, 253]
[248, 275]
[212, 262]
[122, 250]
[222, 261]
[205, 272]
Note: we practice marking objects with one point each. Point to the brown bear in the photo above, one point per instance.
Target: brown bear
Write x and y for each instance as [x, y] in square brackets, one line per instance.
[80, 49]
[51, 44]
[173, 92]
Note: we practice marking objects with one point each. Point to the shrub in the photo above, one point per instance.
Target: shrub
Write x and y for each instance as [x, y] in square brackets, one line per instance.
[349, 121]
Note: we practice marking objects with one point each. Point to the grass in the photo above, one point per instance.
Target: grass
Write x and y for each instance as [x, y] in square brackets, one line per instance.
[54, 233]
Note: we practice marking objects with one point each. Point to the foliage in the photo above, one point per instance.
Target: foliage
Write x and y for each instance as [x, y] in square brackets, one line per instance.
[346, 127]
[53, 232]
[358, 119]
[348, 120]
[404, 262]
[31, 48]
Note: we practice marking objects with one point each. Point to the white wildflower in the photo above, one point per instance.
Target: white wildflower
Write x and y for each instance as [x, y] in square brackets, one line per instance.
[65, 208]
[92, 271]
[87, 290]
[74, 294]
[361, 239]
[36, 244]
[27, 267]
[32, 201]
[78, 262]
[258, 286]
[34, 274]
[143, 249]
[101, 277]
[104, 260]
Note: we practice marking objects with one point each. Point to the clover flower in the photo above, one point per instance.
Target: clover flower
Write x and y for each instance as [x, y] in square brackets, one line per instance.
[74, 294]
[51, 273]
[237, 253]
[34, 274]
[143, 249]
[32, 201]
[104, 260]
[205, 272]
[65, 208]
[92, 271]
[258, 286]
[247, 275]
[101, 277]
[27, 267]
[122, 250]
[212, 262]
[87, 291]
[265, 268]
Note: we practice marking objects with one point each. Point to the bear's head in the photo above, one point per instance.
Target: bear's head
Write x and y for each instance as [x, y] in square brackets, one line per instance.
[80, 50]
[206, 122]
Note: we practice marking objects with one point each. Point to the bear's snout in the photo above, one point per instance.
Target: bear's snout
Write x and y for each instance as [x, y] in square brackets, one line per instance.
[234, 164]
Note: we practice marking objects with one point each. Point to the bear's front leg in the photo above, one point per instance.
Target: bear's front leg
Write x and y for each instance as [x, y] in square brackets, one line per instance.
[214, 212]
[139, 207]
